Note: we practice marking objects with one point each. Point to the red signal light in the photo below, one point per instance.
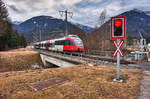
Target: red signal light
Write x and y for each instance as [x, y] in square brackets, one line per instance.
[118, 23]
[118, 27]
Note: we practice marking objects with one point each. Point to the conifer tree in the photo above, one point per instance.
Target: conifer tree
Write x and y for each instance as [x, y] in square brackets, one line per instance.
[9, 38]
[23, 41]
[3, 18]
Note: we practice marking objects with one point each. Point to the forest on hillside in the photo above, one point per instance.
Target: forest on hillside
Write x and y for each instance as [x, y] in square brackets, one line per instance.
[9, 38]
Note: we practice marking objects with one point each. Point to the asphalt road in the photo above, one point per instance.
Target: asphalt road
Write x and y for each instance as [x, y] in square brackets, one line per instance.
[145, 81]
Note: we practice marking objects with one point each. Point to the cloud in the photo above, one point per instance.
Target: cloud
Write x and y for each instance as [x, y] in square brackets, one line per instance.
[92, 3]
[85, 11]
[14, 8]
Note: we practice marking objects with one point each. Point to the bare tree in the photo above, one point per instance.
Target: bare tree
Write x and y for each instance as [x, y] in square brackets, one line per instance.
[102, 17]
[102, 20]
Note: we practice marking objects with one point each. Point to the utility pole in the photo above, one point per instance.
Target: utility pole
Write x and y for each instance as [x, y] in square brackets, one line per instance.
[142, 43]
[40, 35]
[66, 19]
[35, 36]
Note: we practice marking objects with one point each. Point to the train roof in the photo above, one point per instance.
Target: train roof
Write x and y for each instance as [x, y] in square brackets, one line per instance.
[63, 38]
[57, 39]
[72, 36]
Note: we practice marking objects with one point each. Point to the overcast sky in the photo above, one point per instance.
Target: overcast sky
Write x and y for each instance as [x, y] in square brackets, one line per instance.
[85, 11]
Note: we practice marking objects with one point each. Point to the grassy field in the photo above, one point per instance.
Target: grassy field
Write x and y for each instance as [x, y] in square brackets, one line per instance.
[84, 82]
[18, 59]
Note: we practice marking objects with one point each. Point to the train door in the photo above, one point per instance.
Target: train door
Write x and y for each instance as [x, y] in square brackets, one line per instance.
[59, 45]
[47, 45]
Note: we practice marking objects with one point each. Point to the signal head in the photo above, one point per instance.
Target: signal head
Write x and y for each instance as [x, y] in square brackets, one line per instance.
[118, 27]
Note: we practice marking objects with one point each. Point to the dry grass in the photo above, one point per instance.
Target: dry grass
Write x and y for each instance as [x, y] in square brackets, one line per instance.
[83, 83]
[28, 48]
[18, 60]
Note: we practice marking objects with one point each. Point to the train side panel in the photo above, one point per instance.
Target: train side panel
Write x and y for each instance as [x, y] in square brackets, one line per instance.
[72, 43]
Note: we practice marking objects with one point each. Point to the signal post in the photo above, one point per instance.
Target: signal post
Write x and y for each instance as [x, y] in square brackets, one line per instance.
[118, 34]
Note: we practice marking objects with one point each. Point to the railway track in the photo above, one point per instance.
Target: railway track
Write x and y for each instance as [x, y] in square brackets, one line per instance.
[102, 58]
[88, 58]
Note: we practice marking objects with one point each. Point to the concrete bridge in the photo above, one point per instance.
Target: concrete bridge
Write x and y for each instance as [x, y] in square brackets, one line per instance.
[58, 59]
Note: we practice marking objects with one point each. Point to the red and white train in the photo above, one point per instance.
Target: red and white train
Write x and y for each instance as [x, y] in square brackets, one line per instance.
[69, 43]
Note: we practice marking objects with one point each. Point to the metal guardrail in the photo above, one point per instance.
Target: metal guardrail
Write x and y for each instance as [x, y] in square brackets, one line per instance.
[98, 52]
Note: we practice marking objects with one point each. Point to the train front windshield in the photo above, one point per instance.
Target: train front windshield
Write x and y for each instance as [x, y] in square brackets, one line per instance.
[78, 41]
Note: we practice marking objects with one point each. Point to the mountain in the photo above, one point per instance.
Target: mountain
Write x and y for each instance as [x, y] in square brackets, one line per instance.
[40, 22]
[48, 26]
[16, 22]
[137, 21]
[147, 12]
[86, 29]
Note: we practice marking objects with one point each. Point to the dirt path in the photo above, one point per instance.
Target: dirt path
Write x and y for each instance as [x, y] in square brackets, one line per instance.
[145, 82]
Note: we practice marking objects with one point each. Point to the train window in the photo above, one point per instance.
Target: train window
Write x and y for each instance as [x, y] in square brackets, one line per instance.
[56, 43]
[68, 42]
[46, 45]
[71, 43]
[50, 45]
[62, 42]
[78, 42]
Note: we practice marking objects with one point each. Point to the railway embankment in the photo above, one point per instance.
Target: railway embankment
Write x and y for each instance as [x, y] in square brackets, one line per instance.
[19, 59]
